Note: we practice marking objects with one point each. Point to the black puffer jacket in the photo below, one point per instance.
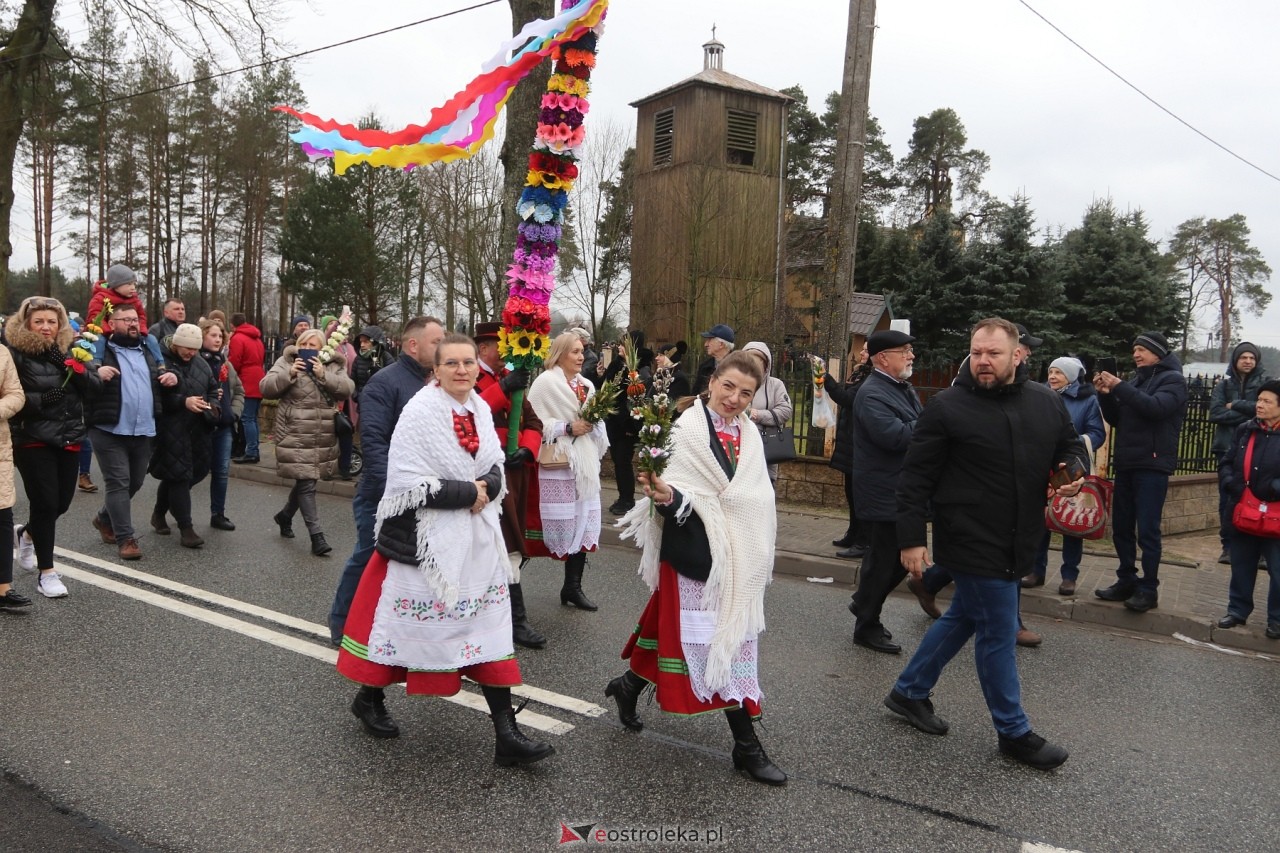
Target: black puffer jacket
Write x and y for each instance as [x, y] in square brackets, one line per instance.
[983, 458]
[1264, 465]
[1234, 400]
[54, 413]
[1147, 414]
[183, 437]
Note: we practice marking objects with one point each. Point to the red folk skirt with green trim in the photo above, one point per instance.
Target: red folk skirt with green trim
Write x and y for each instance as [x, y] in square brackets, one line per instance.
[353, 656]
[657, 654]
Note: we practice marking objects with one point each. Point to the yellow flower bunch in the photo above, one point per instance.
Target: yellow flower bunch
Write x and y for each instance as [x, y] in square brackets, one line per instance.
[521, 347]
[568, 84]
[550, 180]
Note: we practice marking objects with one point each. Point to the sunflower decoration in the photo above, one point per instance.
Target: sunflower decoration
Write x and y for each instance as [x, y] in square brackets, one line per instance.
[522, 347]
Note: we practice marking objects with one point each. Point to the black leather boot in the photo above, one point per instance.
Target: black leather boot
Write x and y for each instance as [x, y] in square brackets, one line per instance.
[158, 522]
[285, 522]
[571, 592]
[748, 754]
[319, 546]
[370, 708]
[190, 539]
[521, 631]
[626, 690]
[512, 746]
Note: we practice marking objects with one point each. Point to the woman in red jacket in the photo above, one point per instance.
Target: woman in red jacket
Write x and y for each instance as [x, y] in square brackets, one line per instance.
[245, 354]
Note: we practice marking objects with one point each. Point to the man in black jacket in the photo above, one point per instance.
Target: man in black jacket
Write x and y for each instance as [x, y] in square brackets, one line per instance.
[1147, 416]
[885, 412]
[981, 456]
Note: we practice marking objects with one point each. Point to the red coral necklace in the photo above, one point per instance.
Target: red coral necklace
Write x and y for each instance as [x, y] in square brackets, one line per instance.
[464, 427]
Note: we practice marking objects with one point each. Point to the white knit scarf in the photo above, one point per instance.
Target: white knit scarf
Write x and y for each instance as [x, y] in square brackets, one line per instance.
[424, 453]
[553, 399]
[742, 525]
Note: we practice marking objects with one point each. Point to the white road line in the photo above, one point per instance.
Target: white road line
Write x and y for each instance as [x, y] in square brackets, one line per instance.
[297, 645]
[1033, 847]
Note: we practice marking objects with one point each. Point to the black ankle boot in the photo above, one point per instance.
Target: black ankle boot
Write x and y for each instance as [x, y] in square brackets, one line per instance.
[626, 690]
[571, 592]
[748, 754]
[319, 547]
[370, 708]
[285, 522]
[512, 746]
[522, 632]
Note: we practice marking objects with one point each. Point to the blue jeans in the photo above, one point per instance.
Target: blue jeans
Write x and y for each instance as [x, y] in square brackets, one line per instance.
[86, 454]
[1138, 503]
[1245, 553]
[935, 579]
[220, 469]
[249, 421]
[364, 510]
[987, 610]
[1072, 552]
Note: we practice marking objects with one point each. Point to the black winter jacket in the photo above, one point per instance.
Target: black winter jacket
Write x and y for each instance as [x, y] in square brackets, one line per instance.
[1264, 465]
[1147, 415]
[398, 535]
[384, 398]
[843, 394]
[54, 413]
[104, 409]
[884, 415]
[983, 458]
[183, 438]
[1233, 401]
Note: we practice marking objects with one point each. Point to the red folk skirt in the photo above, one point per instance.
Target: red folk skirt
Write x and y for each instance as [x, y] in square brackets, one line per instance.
[354, 663]
[657, 656]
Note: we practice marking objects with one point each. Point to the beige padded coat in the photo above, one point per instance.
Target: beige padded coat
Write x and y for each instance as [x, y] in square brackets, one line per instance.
[12, 399]
[306, 447]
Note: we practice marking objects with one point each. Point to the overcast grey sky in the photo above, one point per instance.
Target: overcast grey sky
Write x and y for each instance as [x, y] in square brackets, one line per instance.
[1058, 128]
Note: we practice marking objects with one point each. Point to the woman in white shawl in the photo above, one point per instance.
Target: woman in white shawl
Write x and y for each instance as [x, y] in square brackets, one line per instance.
[708, 556]
[434, 602]
[568, 497]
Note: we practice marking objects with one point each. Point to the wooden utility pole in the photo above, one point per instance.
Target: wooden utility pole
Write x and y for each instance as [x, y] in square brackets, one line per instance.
[846, 180]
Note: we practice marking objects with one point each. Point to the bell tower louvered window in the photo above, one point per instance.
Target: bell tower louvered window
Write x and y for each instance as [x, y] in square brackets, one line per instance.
[664, 124]
[740, 148]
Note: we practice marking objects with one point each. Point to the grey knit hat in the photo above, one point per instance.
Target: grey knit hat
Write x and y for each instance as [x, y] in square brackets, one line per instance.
[118, 275]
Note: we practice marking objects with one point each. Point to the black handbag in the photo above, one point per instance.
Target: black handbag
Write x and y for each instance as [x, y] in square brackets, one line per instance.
[779, 441]
[342, 426]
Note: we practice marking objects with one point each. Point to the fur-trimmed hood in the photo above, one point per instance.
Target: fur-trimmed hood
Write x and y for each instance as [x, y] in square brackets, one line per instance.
[22, 339]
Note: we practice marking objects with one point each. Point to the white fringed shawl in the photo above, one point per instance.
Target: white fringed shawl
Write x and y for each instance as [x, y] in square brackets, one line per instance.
[424, 452]
[742, 525]
[553, 399]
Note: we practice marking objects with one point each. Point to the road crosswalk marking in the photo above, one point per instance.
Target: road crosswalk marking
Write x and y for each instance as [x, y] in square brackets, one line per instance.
[298, 645]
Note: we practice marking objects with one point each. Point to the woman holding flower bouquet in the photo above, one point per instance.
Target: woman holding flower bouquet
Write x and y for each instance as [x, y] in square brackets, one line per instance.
[57, 375]
[708, 556]
[569, 496]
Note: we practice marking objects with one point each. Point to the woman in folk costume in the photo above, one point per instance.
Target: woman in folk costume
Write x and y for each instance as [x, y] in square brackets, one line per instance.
[434, 602]
[569, 498]
[708, 556]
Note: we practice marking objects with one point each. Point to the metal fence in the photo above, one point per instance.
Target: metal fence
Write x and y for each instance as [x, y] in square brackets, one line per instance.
[1195, 442]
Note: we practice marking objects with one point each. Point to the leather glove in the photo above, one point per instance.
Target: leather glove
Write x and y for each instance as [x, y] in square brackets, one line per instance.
[522, 456]
[52, 397]
[516, 380]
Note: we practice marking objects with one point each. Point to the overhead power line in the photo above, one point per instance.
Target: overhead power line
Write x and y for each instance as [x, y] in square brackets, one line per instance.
[263, 64]
[1156, 103]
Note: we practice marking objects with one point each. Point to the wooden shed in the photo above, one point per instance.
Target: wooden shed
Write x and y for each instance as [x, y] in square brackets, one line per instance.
[710, 160]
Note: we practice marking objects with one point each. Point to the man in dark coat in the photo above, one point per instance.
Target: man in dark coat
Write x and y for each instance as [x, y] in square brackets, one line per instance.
[383, 400]
[884, 415]
[981, 456]
[1231, 404]
[623, 429]
[1147, 415]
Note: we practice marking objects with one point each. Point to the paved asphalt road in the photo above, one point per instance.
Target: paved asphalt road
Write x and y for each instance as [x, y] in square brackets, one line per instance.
[143, 716]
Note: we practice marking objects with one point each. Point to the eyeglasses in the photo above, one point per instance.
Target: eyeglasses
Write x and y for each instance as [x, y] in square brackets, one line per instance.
[904, 350]
[454, 364]
[128, 321]
[41, 302]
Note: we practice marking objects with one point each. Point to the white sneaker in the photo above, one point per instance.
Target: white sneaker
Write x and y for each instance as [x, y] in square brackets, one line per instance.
[26, 548]
[51, 586]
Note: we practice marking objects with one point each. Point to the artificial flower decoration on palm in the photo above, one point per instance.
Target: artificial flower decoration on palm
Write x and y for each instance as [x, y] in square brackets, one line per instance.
[340, 334]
